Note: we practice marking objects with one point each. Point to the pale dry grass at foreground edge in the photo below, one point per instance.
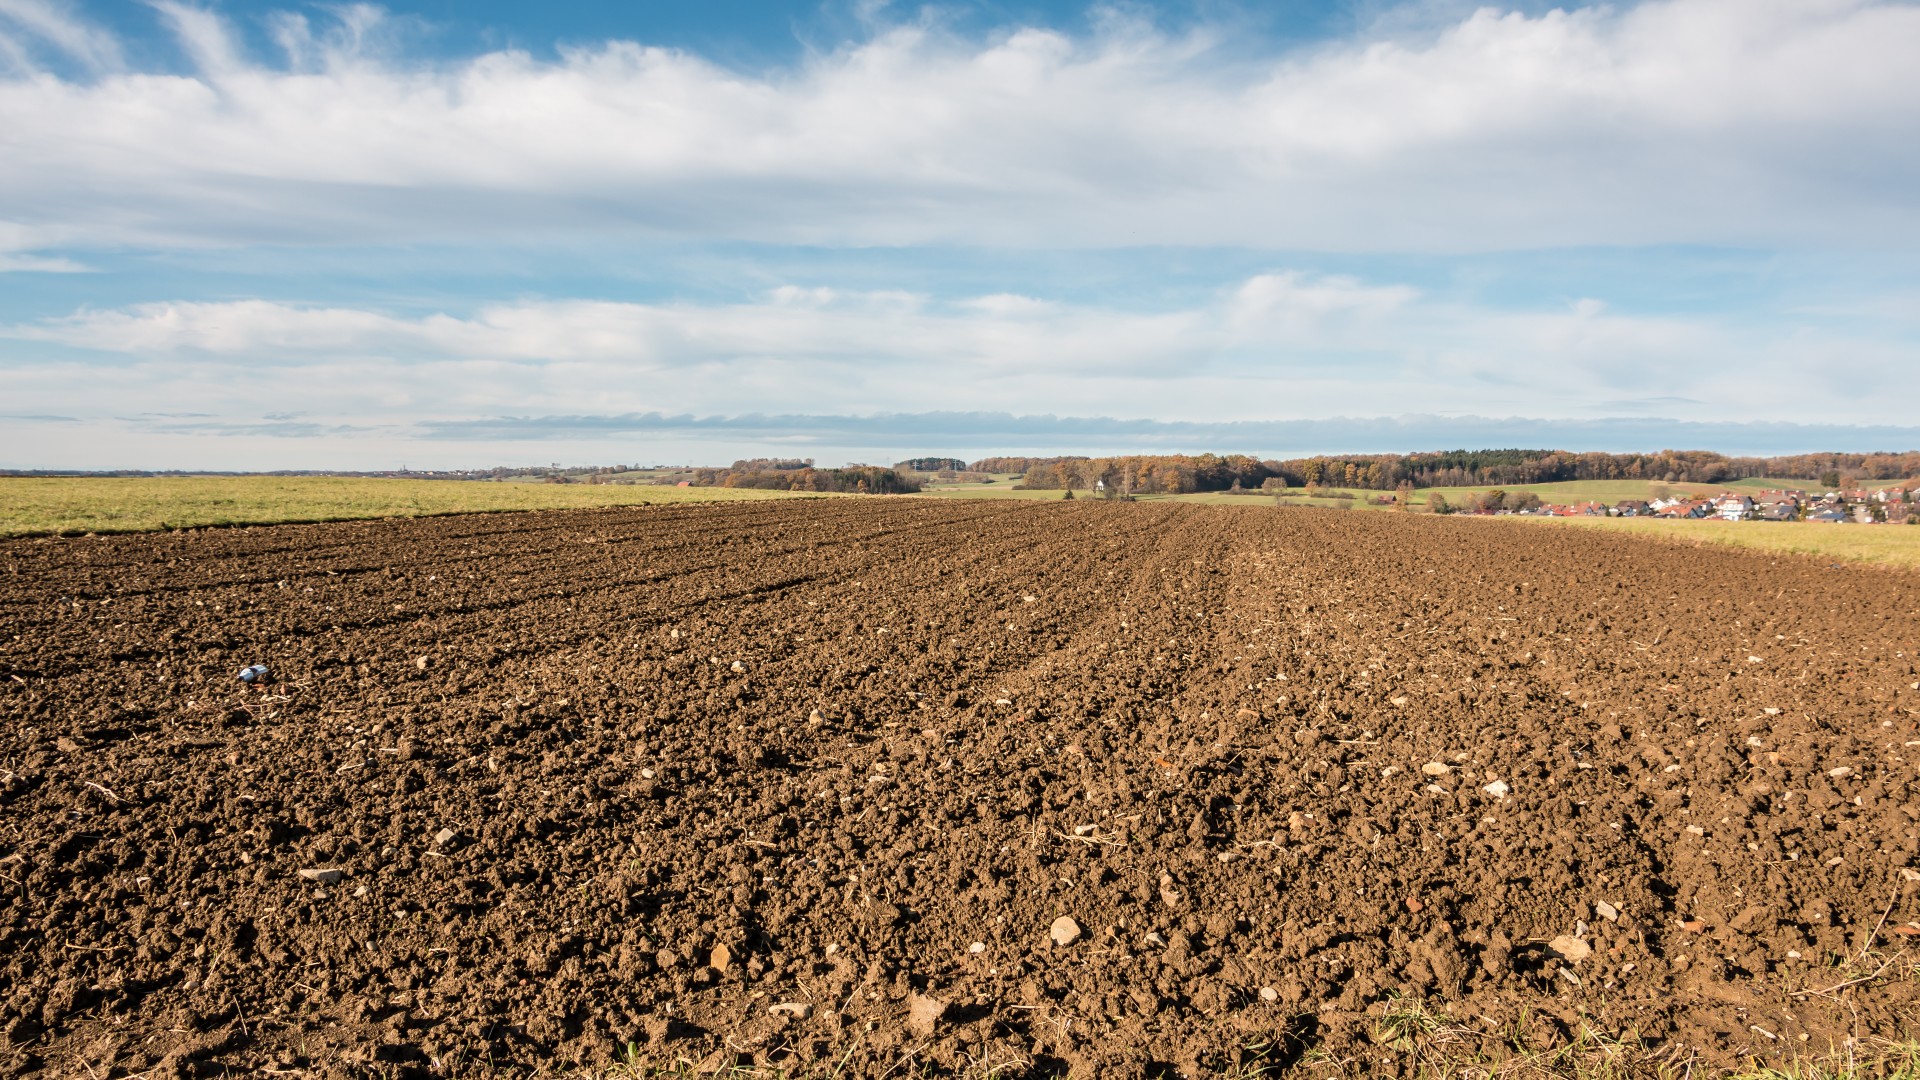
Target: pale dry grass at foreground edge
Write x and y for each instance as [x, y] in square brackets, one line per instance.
[1431, 1056]
[35, 505]
[1887, 545]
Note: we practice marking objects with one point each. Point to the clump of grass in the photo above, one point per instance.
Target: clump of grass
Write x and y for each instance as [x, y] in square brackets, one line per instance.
[1407, 1022]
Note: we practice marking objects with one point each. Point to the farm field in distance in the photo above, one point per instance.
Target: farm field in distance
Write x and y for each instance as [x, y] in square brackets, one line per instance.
[1897, 546]
[103, 504]
[1887, 545]
[894, 786]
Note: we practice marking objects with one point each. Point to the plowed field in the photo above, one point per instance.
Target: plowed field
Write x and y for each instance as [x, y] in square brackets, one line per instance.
[893, 785]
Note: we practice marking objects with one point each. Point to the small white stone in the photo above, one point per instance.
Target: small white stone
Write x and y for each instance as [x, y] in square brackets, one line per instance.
[1842, 771]
[1607, 911]
[1436, 769]
[1498, 789]
[444, 837]
[1064, 931]
[977, 948]
[739, 668]
[1268, 993]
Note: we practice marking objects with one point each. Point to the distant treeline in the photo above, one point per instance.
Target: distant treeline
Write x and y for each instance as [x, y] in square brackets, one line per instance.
[930, 465]
[1179, 473]
[772, 464]
[854, 479]
[1017, 464]
[1136, 475]
[1477, 468]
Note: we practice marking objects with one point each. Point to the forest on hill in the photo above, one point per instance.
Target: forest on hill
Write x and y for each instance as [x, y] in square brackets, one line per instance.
[1180, 473]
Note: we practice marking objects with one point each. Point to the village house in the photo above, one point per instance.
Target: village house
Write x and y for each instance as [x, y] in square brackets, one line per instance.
[1689, 508]
[1733, 507]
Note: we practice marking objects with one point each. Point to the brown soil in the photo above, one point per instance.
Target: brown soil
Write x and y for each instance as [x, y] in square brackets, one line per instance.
[789, 782]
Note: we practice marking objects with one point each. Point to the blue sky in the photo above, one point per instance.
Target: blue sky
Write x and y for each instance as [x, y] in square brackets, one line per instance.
[464, 233]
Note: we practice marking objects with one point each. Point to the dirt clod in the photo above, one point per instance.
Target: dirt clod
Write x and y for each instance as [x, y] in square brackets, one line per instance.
[924, 1014]
[1571, 949]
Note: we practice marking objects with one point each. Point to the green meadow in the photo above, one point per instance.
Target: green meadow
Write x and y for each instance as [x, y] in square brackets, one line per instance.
[69, 505]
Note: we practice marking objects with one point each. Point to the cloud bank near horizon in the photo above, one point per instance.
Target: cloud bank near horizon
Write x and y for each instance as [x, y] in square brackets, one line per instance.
[1282, 344]
[289, 441]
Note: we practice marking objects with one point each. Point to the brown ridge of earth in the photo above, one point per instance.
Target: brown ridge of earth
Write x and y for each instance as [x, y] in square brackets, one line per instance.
[1127, 790]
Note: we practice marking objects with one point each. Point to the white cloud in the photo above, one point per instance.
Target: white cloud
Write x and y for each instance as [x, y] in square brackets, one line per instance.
[20, 246]
[1679, 121]
[11, 263]
[1277, 344]
[30, 26]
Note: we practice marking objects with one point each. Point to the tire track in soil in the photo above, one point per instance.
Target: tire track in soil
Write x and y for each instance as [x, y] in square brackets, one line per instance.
[1213, 731]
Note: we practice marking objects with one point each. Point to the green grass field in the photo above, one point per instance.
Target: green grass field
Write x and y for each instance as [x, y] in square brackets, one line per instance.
[73, 505]
[1890, 545]
[983, 491]
[1002, 487]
